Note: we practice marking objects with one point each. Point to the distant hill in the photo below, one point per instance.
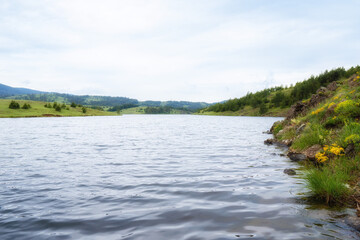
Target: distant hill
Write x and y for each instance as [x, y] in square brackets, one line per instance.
[6, 91]
[114, 103]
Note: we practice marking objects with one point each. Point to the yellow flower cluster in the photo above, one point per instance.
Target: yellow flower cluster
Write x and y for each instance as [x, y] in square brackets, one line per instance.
[352, 92]
[317, 111]
[334, 149]
[336, 98]
[321, 157]
[344, 105]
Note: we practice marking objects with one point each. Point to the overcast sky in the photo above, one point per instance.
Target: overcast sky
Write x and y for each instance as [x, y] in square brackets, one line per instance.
[197, 50]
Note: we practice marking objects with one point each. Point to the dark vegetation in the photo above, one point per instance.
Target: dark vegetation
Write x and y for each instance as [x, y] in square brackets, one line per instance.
[14, 105]
[282, 97]
[165, 110]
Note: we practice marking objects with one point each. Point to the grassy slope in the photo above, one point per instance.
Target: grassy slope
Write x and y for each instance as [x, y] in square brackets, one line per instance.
[38, 110]
[333, 128]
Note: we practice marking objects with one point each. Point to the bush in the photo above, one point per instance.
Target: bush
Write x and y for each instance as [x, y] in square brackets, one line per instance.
[84, 110]
[14, 105]
[73, 105]
[55, 105]
[63, 106]
[48, 105]
[58, 108]
[26, 106]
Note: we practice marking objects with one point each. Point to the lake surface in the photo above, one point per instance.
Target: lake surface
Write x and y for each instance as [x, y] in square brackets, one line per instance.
[152, 177]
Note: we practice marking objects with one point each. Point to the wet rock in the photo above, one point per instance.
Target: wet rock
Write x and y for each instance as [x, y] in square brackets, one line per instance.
[287, 142]
[267, 132]
[296, 157]
[301, 128]
[282, 155]
[270, 141]
[312, 151]
[290, 171]
[353, 221]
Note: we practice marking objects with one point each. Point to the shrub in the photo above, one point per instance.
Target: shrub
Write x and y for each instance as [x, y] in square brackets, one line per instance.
[26, 106]
[73, 105]
[63, 106]
[84, 110]
[14, 105]
[58, 108]
[55, 105]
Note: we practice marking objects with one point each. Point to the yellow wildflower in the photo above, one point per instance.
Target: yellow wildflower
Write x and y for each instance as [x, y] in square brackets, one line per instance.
[317, 111]
[321, 157]
[352, 91]
[336, 150]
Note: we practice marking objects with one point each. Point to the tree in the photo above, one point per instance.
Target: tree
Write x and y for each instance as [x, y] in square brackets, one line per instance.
[73, 105]
[58, 108]
[14, 105]
[84, 110]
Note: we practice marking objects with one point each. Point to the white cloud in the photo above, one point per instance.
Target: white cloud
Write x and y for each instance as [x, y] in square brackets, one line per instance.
[191, 50]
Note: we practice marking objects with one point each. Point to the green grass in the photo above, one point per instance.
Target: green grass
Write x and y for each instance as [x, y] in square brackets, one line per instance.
[314, 134]
[328, 184]
[38, 110]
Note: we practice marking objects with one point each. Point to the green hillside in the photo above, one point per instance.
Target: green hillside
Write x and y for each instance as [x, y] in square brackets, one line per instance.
[325, 130]
[38, 109]
[276, 101]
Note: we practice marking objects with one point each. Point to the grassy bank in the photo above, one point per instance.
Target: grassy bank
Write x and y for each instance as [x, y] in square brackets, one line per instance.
[328, 134]
[38, 109]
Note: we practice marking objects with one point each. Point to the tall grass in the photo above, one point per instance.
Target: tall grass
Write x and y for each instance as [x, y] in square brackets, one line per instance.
[328, 184]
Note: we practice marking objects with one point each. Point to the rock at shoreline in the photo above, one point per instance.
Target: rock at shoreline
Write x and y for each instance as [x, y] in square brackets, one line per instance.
[296, 157]
[269, 141]
[312, 151]
[290, 171]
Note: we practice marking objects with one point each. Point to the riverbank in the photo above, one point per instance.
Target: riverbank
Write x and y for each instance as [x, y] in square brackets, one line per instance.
[38, 109]
[323, 134]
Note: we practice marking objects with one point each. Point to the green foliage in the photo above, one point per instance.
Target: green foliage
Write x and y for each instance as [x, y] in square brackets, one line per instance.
[57, 108]
[313, 134]
[333, 122]
[14, 105]
[84, 109]
[288, 133]
[278, 126]
[328, 184]
[73, 105]
[63, 106]
[348, 133]
[348, 108]
[55, 105]
[26, 106]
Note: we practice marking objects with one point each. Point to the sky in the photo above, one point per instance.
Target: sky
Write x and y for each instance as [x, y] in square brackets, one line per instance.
[193, 50]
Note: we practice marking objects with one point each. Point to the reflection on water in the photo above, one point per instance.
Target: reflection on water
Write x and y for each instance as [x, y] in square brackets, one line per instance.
[151, 177]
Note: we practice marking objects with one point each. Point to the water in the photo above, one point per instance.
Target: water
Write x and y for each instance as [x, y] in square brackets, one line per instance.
[152, 177]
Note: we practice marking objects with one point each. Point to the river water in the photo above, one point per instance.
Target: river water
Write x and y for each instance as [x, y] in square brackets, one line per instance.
[152, 177]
